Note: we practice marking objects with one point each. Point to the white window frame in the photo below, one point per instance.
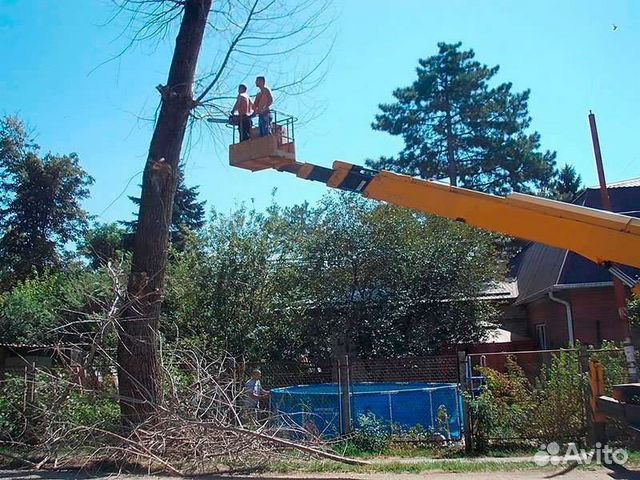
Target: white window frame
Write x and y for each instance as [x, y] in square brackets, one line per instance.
[541, 336]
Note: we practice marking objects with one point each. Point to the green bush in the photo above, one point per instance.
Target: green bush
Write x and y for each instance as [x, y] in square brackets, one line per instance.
[634, 311]
[12, 419]
[31, 411]
[558, 401]
[82, 409]
[549, 409]
[372, 434]
[503, 409]
[614, 363]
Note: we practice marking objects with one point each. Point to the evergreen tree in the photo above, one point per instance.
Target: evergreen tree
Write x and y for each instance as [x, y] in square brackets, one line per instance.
[188, 213]
[40, 211]
[567, 185]
[454, 124]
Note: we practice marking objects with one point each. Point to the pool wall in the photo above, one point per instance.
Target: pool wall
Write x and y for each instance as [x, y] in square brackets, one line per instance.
[407, 405]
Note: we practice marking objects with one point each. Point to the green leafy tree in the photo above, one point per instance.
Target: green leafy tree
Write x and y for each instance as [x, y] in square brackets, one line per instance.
[292, 282]
[454, 124]
[231, 288]
[386, 281]
[40, 205]
[102, 243]
[37, 309]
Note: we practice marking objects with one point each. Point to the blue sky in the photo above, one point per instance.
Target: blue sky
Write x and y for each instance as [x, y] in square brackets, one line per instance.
[566, 52]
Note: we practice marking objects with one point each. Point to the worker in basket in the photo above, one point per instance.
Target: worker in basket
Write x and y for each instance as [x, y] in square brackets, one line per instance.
[242, 112]
[262, 106]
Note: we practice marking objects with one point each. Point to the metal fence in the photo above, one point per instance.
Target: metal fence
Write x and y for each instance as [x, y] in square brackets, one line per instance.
[406, 394]
[537, 396]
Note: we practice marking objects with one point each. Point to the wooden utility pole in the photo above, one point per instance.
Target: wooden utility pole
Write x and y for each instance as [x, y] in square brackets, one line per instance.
[618, 287]
[344, 372]
[464, 385]
[138, 349]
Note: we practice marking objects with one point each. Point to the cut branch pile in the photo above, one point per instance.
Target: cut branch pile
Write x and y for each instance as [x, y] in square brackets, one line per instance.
[201, 426]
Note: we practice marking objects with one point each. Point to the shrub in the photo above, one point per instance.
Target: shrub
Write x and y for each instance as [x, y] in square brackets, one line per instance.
[614, 364]
[33, 408]
[511, 407]
[558, 400]
[502, 410]
[12, 424]
[371, 435]
[82, 409]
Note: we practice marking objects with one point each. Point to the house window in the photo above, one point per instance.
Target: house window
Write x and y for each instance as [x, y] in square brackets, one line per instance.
[541, 336]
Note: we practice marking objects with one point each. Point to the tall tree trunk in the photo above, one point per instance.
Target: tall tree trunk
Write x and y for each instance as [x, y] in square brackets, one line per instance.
[138, 348]
[451, 157]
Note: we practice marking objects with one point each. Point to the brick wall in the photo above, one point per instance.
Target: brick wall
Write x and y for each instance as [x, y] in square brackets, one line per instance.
[553, 315]
[595, 317]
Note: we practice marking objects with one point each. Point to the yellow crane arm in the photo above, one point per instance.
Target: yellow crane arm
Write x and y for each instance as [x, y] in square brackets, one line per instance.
[603, 237]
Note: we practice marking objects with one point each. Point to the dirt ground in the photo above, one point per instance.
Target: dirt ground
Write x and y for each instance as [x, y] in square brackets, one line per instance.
[597, 474]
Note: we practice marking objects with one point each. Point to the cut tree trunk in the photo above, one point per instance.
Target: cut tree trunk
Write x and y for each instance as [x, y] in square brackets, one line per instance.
[451, 157]
[139, 376]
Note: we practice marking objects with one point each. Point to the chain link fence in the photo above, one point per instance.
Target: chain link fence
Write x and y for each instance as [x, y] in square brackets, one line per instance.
[411, 396]
[533, 397]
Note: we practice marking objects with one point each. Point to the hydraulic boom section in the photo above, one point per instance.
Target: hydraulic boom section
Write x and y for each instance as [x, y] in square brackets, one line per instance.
[603, 237]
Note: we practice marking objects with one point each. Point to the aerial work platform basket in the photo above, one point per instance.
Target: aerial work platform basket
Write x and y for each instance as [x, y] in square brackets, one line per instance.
[269, 151]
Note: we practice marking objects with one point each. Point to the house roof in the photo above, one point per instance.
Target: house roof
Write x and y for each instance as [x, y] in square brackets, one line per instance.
[541, 269]
[632, 182]
[500, 335]
[507, 289]
[625, 197]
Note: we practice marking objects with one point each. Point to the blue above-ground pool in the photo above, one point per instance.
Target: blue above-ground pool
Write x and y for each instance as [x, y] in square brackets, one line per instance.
[405, 405]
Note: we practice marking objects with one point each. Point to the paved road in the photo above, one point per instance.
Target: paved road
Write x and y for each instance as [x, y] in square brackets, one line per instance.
[599, 474]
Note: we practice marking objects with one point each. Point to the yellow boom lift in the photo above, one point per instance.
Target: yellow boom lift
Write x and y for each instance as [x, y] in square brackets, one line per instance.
[604, 237]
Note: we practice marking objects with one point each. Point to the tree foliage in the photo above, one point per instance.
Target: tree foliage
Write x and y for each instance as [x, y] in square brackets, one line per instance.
[634, 310]
[230, 291]
[188, 212]
[36, 310]
[390, 282]
[297, 281]
[567, 185]
[293, 282]
[40, 205]
[455, 124]
[102, 243]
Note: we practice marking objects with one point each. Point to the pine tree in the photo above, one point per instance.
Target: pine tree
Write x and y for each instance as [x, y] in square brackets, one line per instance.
[567, 185]
[454, 124]
[188, 213]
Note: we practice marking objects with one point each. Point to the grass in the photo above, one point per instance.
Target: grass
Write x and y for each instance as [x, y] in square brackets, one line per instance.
[398, 460]
[407, 450]
[455, 466]
[461, 465]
